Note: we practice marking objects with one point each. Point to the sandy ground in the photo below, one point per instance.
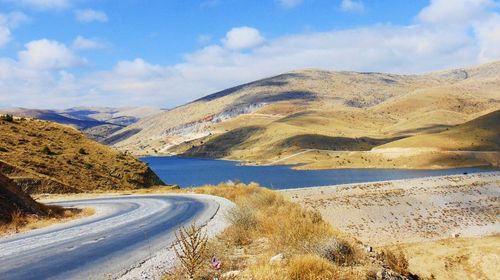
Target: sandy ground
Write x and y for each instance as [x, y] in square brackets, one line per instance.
[448, 227]
[414, 210]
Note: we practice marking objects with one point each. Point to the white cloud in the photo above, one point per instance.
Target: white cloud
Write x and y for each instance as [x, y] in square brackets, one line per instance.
[242, 38]
[204, 39]
[352, 6]
[488, 34]
[4, 35]
[90, 15]
[42, 4]
[48, 55]
[7, 22]
[289, 3]
[426, 45]
[455, 11]
[82, 43]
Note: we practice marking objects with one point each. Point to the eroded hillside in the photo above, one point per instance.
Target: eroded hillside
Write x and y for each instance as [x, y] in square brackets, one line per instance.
[274, 119]
[42, 156]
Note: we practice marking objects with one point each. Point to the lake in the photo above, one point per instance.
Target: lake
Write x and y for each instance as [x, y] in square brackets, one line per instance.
[187, 172]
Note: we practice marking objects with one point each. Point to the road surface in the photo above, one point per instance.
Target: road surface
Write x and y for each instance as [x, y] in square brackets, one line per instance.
[125, 231]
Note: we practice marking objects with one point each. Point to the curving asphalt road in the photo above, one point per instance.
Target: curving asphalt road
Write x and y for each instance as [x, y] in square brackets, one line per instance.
[124, 231]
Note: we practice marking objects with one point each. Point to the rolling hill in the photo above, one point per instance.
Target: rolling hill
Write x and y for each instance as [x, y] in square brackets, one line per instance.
[96, 122]
[42, 156]
[273, 119]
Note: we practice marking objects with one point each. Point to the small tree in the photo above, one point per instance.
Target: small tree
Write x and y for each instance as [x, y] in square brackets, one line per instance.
[191, 248]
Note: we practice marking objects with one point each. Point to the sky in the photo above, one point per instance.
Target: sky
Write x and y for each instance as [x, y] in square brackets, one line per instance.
[164, 53]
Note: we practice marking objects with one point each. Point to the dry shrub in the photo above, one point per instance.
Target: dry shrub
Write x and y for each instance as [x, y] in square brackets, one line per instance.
[395, 261]
[339, 251]
[191, 249]
[313, 249]
[311, 267]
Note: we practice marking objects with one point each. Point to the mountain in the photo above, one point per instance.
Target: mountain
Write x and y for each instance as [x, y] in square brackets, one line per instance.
[95, 122]
[273, 119]
[42, 156]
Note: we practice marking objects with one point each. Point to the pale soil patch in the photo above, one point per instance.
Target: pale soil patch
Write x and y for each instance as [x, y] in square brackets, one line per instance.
[457, 258]
[412, 210]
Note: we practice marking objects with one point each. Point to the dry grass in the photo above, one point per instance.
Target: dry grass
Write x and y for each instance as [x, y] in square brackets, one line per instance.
[396, 261]
[265, 225]
[311, 267]
[23, 223]
[455, 258]
[46, 157]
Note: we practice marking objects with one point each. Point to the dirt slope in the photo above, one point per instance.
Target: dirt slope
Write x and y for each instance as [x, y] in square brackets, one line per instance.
[42, 156]
[13, 200]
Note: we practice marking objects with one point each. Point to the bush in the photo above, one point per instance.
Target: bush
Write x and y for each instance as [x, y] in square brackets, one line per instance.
[338, 251]
[311, 267]
[7, 118]
[46, 150]
[82, 151]
[2, 149]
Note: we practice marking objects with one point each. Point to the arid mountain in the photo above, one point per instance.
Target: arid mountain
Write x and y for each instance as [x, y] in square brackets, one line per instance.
[96, 122]
[271, 120]
[42, 156]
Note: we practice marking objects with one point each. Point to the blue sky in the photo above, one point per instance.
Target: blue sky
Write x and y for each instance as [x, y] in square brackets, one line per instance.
[62, 53]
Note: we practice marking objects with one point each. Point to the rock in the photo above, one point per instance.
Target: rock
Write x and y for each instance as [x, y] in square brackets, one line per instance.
[277, 259]
[231, 274]
[368, 249]
[387, 274]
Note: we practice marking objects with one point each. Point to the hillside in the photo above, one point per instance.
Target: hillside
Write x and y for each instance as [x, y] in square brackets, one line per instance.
[42, 156]
[481, 134]
[273, 119]
[13, 200]
[96, 122]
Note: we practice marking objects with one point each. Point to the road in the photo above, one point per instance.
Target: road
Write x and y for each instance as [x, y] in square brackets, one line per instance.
[124, 231]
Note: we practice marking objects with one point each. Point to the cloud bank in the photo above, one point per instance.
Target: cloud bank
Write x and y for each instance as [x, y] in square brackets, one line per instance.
[443, 35]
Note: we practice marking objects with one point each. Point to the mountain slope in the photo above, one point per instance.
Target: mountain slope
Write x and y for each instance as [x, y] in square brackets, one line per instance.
[481, 134]
[270, 119]
[42, 156]
[13, 200]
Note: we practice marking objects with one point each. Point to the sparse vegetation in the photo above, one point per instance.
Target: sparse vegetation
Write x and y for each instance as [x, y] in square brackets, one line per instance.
[265, 225]
[73, 158]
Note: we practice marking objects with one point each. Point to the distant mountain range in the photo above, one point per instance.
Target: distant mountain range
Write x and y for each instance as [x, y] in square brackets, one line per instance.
[97, 122]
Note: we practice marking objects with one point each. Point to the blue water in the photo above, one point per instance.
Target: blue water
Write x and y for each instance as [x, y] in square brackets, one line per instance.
[187, 172]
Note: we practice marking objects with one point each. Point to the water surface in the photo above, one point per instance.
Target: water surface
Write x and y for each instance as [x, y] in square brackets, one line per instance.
[187, 172]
